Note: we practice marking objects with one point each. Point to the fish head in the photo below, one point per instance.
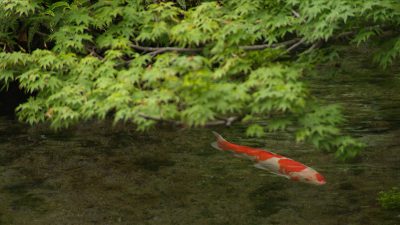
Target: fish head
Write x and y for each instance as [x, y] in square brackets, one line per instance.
[319, 179]
[310, 176]
[315, 178]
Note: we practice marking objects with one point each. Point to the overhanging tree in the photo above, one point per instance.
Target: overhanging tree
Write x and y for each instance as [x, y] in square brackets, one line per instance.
[187, 62]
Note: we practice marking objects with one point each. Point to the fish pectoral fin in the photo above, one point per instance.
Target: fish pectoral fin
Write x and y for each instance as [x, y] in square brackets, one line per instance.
[244, 156]
[215, 145]
[261, 166]
[240, 156]
[281, 175]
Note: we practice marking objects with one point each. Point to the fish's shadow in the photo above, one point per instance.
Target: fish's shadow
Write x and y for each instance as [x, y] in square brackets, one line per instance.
[153, 163]
[269, 198]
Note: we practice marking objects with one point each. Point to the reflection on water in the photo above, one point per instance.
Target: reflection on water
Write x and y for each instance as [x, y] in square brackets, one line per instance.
[99, 174]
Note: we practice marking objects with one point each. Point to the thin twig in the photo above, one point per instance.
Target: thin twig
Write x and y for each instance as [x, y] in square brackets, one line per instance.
[224, 121]
[315, 45]
[93, 52]
[173, 49]
[295, 45]
[41, 34]
[159, 119]
[264, 46]
[153, 51]
[296, 14]
[256, 47]
[158, 50]
[351, 33]
[344, 34]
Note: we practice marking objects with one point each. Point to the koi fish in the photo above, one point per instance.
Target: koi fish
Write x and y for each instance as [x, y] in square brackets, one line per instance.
[272, 162]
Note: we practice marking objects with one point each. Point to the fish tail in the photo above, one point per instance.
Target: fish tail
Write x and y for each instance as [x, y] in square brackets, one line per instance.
[218, 136]
[219, 140]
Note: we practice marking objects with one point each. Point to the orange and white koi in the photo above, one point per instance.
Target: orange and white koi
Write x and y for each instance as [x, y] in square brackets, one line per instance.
[272, 162]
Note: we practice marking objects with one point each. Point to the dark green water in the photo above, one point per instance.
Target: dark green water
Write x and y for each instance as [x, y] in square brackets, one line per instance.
[100, 174]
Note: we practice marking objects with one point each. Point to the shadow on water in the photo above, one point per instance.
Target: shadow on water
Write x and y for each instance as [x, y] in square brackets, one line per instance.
[268, 199]
[153, 163]
[22, 187]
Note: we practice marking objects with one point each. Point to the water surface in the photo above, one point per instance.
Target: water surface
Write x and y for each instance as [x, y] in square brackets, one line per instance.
[96, 173]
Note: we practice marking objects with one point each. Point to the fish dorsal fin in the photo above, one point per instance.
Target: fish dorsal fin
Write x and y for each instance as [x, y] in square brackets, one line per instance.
[244, 156]
[218, 136]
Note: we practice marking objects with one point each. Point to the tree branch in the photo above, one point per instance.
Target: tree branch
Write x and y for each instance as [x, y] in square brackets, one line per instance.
[295, 14]
[315, 45]
[260, 47]
[297, 44]
[221, 121]
[93, 52]
[153, 51]
[344, 34]
[158, 119]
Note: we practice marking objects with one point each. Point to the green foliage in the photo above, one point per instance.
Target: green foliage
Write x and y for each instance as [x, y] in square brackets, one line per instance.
[390, 52]
[187, 62]
[19, 7]
[255, 130]
[390, 199]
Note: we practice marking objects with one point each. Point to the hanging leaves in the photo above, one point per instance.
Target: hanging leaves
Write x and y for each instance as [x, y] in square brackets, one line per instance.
[187, 62]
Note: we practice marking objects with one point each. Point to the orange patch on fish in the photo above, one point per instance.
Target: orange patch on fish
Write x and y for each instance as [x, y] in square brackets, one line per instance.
[275, 163]
[289, 165]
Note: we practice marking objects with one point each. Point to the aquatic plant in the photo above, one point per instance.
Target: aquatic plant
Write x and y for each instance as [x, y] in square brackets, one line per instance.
[190, 63]
[390, 199]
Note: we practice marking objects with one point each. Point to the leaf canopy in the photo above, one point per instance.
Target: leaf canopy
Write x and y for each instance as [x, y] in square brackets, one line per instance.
[190, 62]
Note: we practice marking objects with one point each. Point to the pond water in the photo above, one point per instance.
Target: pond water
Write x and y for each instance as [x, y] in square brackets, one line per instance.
[96, 173]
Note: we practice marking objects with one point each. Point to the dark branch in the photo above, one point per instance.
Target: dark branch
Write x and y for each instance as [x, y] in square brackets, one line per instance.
[264, 46]
[317, 44]
[93, 52]
[294, 46]
[293, 43]
[344, 34]
[223, 121]
[153, 51]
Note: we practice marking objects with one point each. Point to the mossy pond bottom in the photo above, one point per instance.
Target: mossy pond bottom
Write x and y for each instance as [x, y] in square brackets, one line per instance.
[97, 173]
